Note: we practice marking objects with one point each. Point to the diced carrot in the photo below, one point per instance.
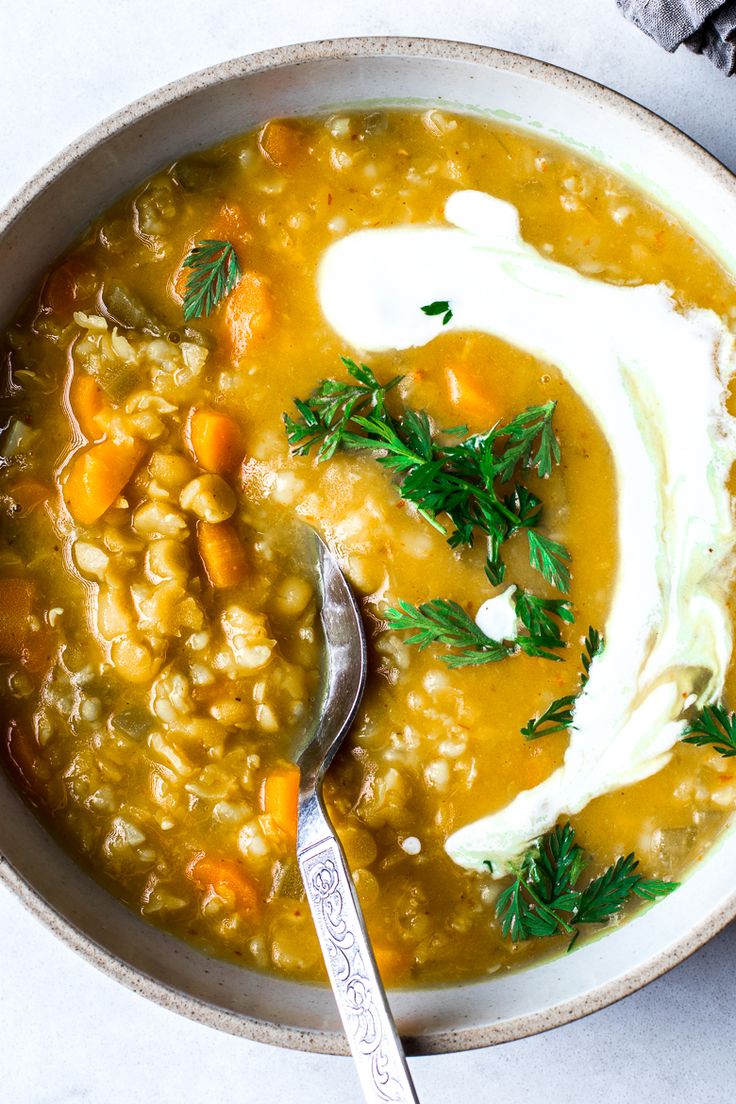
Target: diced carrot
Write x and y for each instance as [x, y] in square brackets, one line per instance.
[16, 603]
[89, 405]
[280, 796]
[248, 312]
[390, 960]
[280, 143]
[27, 495]
[225, 876]
[229, 224]
[98, 476]
[215, 441]
[474, 400]
[222, 553]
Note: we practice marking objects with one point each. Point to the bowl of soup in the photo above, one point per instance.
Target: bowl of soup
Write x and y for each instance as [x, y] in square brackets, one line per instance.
[471, 319]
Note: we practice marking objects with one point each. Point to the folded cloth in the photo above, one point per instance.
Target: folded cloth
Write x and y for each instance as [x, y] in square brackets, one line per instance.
[704, 26]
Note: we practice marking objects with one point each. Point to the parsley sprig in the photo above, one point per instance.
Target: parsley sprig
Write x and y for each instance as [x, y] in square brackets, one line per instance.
[214, 272]
[441, 621]
[440, 306]
[558, 714]
[457, 480]
[714, 727]
[543, 899]
[326, 415]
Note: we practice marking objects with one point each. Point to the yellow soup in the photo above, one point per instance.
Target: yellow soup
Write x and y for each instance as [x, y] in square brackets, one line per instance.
[160, 641]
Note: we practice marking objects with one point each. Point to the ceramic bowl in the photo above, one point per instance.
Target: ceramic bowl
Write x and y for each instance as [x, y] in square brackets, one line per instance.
[46, 217]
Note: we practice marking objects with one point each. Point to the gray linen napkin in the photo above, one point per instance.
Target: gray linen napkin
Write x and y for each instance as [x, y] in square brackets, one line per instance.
[704, 26]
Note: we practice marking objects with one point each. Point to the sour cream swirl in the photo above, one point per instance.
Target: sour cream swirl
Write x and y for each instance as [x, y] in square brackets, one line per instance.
[655, 378]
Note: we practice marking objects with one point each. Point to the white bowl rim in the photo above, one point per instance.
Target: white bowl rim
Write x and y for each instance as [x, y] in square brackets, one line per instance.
[285, 56]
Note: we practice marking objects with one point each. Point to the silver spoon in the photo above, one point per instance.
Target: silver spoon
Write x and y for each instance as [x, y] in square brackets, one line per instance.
[346, 948]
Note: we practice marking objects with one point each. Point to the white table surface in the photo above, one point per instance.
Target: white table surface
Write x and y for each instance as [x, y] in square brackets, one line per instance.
[68, 1033]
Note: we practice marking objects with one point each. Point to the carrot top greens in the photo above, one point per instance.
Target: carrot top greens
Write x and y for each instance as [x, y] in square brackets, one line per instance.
[544, 900]
[470, 480]
[214, 272]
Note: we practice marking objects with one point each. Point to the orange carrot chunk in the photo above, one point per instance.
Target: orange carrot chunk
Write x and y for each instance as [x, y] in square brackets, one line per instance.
[89, 405]
[390, 960]
[280, 143]
[215, 440]
[16, 602]
[248, 313]
[222, 553]
[280, 796]
[473, 399]
[98, 476]
[223, 876]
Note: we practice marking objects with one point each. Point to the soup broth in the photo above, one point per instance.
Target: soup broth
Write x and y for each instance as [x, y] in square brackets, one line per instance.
[159, 620]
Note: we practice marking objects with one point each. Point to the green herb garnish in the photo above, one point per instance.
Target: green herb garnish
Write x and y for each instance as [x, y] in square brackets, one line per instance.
[550, 558]
[556, 717]
[440, 306]
[558, 714]
[214, 273]
[326, 415]
[543, 899]
[444, 622]
[714, 727]
[593, 646]
[456, 480]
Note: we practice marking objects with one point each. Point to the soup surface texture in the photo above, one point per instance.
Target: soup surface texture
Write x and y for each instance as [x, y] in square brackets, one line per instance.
[160, 643]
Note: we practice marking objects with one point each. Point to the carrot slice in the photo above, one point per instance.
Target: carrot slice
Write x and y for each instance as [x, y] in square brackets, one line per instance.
[280, 143]
[98, 475]
[248, 313]
[218, 875]
[229, 224]
[215, 441]
[16, 603]
[280, 796]
[473, 398]
[390, 960]
[27, 495]
[89, 405]
[222, 553]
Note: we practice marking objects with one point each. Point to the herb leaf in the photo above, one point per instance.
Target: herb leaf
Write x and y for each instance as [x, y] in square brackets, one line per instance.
[543, 899]
[549, 557]
[537, 615]
[556, 717]
[444, 622]
[441, 621]
[714, 727]
[214, 272]
[593, 645]
[456, 481]
[440, 306]
[327, 413]
[607, 894]
[533, 427]
[558, 714]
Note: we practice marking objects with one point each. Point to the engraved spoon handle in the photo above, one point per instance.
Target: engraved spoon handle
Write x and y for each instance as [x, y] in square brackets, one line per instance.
[359, 992]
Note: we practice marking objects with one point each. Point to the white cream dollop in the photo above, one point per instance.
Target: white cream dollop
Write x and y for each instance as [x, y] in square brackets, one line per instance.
[497, 616]
[655, 378]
